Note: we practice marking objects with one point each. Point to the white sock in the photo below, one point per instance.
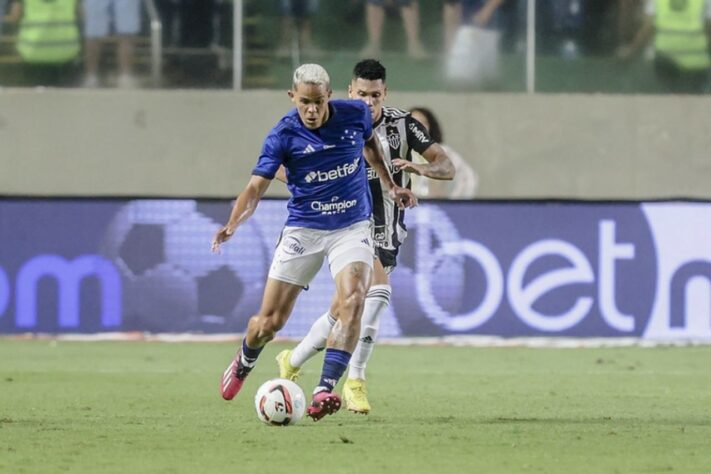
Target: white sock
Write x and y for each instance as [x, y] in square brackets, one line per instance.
[376, 302]
[315, 340]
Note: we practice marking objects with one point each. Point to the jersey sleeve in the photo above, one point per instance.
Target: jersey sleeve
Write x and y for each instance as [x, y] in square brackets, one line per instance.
[417, 136]
[270, 158]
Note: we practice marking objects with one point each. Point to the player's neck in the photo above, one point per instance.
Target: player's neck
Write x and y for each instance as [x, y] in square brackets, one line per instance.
[327, 116]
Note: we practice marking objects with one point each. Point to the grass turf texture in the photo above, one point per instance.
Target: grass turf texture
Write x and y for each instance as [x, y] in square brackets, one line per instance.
[152, 407]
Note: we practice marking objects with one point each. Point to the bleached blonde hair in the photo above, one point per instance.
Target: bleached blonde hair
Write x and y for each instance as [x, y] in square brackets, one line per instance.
[311, 74]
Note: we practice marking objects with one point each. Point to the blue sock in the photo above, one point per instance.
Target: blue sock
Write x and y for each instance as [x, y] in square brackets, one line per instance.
[249, 355]
[334, 364]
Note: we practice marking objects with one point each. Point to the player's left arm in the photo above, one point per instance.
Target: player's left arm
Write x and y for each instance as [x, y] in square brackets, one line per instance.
[438, 165]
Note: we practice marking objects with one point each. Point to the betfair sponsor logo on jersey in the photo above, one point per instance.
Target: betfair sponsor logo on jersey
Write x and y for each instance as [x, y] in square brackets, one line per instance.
[336, 173]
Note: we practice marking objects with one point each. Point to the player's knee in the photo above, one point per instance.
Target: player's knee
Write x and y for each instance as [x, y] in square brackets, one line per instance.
[354, 298]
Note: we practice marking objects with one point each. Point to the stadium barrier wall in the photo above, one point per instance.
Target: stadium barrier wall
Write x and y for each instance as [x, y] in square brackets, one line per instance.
[204, 143]
[509, 269]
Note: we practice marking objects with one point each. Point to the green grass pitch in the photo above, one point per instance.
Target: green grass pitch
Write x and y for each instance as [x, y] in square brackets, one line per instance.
[133, 407]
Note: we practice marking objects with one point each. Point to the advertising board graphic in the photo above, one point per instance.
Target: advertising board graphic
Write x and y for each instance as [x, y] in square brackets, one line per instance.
[508, 269]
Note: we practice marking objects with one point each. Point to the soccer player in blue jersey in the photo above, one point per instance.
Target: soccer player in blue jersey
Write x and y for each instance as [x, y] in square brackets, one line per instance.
[400, 135]
[320, 145]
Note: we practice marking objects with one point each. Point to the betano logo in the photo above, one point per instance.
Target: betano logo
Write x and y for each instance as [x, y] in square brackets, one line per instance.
[68, 277]
[342, 171]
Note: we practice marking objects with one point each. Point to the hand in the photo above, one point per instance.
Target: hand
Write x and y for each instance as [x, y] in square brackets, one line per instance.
[403, 197]
[221, 236]
[407, 166]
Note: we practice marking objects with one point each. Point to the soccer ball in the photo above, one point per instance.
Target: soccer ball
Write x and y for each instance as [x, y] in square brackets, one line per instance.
[280, 402]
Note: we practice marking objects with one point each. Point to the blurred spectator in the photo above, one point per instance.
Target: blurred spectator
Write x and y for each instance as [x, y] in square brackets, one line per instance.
[452, 19]
[628, 13]
[296, 27]
[456, 12]
[473, 60]
[682, 32]
[170, 17]
[47, 40]
[125, 17]
[567, 25]
[3, 6]
[464, 184]
[375, 21]
[560, 25]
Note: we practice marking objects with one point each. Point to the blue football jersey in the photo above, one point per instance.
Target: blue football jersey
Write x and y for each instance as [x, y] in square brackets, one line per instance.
[325, 167]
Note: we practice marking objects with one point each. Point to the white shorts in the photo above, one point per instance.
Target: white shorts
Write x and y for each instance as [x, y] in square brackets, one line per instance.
[126, 16]
[300, 251]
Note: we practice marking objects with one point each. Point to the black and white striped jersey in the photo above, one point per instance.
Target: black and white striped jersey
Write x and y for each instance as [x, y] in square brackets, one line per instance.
[399, 134]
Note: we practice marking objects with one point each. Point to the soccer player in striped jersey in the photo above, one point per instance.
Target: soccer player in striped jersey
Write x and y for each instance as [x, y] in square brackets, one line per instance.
[399, 134]
[319, 145]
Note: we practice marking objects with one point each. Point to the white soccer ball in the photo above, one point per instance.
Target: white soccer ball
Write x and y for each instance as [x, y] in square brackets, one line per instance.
[280, 402]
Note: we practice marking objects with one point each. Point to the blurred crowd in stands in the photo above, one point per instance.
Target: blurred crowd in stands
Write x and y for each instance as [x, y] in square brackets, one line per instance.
[98, 43]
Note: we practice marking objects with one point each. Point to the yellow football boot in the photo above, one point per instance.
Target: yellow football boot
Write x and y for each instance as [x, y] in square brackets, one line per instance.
[286, 370]
[355, 394]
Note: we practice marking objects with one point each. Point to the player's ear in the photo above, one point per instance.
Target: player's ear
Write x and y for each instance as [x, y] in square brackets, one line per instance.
[290, 93]
[385, 92]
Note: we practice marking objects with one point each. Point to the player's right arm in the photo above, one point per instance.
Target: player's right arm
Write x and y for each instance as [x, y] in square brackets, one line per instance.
[244, 207]
[270, 160]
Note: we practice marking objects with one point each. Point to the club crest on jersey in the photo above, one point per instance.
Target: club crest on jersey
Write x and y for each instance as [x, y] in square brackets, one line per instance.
[394, 140]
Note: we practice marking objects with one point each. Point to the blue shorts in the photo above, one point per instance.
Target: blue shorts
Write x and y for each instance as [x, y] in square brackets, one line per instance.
[125, 15]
